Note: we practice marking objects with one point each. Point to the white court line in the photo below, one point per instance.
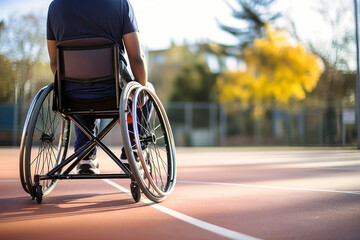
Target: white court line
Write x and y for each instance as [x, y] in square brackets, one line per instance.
[8, 181]
[271, 187]
[196, 222]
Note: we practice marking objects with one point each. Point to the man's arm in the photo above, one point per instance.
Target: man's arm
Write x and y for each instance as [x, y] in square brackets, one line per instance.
[136, 57]
[51, 45]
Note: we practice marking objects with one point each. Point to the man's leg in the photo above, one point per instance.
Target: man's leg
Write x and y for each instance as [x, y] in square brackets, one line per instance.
[89, 164]
[143, 118]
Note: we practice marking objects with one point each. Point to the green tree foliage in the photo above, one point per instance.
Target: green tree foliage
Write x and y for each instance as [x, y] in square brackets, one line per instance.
[164, 65]
[7, 79]
[194, 83]
[181, 73]
[252, 16]
[23, 52]
[2, 27]
[277, 71]
[7, 74]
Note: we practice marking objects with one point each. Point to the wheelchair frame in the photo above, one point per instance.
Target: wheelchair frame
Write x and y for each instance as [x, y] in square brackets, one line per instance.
[149, 145]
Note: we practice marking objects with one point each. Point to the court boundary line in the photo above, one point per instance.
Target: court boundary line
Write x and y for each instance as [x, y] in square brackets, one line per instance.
[9, 180]
[271, 187]
[185, 218]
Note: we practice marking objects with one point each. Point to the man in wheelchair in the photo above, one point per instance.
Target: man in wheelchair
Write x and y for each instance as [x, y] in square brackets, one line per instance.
[69, 20]
[87, 41]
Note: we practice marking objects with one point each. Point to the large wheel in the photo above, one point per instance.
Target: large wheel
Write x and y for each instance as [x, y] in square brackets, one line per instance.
[148, 141]
[44, 143]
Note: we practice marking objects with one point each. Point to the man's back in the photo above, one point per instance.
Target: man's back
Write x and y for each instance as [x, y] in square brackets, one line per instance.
[112, 19]
[73, 19]
[78, 19]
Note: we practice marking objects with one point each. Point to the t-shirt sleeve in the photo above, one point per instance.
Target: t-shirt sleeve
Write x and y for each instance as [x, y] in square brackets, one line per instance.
[49, 32]
[130, 23]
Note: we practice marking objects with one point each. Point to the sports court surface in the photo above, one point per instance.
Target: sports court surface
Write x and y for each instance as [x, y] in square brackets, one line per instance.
[221, 193]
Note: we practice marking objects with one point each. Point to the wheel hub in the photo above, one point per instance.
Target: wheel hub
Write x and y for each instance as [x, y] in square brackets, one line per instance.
[47, 138]
[153, 138]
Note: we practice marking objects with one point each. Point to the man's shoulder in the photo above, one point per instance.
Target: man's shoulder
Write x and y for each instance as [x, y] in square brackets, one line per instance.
[56, 3]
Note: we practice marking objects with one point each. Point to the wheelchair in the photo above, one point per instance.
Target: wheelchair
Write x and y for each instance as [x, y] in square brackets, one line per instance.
[145, 129]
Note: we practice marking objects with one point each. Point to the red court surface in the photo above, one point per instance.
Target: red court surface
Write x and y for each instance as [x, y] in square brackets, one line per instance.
[221, 193]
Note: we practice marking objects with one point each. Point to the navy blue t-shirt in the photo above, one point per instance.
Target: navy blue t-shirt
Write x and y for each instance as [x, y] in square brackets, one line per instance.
[74, 19]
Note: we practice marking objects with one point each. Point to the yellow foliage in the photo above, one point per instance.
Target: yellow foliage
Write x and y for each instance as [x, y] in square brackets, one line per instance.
[276, 71]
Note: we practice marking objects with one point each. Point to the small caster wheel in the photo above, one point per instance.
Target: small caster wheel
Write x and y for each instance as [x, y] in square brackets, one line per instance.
[135, 191]
[39, 194]
[33, 192]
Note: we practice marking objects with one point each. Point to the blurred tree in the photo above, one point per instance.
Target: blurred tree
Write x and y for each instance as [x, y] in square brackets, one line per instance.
[24, 42]
[22, 64]
[7, 79]
[339, 47]
[164, 65]
[337, 82]
[194, 83]
[2, 27]
[252, 16]
[336, 88]
[24, 47]
[276, 72]
[181, 73]
[7, 74]
[335, 47]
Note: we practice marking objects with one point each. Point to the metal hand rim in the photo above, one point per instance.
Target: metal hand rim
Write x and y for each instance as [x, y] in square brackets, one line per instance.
[136, 131]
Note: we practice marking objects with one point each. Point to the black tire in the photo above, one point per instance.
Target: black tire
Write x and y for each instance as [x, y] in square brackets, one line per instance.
[148, 141]
[135, 191]
[39, 194]
[44, 142]
[22, 143]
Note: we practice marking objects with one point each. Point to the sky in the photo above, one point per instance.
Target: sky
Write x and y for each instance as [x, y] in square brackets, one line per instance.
[160, 21]
[164, 21]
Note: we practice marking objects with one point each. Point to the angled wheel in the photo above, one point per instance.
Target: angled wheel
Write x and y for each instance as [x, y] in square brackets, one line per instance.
[44, 143]
[148, 141]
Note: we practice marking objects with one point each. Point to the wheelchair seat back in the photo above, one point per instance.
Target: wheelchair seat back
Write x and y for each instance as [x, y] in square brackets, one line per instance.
[87, 78]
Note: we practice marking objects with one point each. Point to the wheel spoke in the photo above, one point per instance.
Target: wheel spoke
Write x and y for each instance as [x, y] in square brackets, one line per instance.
[46, 142]
[151, 134]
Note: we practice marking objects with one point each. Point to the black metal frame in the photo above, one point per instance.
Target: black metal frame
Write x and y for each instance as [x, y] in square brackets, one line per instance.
[58, 96]
[76, 157]
[83, 151]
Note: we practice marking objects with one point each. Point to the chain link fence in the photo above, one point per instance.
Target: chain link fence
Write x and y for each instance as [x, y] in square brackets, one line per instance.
[211, 124]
